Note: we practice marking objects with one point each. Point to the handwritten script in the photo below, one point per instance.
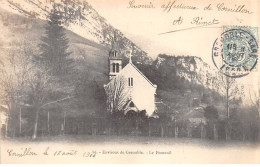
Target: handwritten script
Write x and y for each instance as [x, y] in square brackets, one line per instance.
[32, 152]
[170, 6]
[28, 151]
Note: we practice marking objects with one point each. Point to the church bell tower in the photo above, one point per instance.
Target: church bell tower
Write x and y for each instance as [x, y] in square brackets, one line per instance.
[114, 59]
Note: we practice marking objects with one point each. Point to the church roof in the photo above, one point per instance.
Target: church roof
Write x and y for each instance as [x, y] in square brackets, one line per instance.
[154, 85]
[143, 75]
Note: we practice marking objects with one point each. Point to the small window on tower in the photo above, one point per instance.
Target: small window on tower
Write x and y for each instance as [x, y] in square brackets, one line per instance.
[114, 67]
[117, 67]
[114, 53]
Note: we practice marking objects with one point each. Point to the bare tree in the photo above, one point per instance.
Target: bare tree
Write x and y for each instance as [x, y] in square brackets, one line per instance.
[230, 89]
[117, 94]
[255, 99]
[14, 75]
[227, 85]
[25, 83]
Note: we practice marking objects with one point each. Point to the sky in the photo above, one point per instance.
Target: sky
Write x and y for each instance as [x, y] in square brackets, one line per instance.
[143, 26]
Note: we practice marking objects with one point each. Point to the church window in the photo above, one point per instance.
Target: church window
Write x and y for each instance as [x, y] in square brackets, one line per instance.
[117, 67]
[130, 82]
[114, 67]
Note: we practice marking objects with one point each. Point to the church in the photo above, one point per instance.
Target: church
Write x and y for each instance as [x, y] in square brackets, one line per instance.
[128, 88]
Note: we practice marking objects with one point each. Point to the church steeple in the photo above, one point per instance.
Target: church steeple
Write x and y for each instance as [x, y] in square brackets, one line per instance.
[114, 47]
[114, 60]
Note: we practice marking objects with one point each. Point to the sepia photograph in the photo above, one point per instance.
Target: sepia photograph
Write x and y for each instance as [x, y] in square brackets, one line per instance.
[129, 81]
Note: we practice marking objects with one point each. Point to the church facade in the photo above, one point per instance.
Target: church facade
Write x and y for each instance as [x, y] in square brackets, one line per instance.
[128, 88]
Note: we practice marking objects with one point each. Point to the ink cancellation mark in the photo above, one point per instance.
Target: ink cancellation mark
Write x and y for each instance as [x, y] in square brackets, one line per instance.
[235, 53]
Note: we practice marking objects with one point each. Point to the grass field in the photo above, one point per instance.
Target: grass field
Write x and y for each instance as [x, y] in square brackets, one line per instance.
[135, 140]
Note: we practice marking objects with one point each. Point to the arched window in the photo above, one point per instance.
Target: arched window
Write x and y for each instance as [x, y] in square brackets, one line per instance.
[114, 53]
[117, 67]
[114, 67]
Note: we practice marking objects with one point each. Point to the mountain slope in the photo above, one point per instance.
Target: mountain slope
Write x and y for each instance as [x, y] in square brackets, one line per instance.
[192, 69]
[17, 28]
[80, 18]
[196, 72]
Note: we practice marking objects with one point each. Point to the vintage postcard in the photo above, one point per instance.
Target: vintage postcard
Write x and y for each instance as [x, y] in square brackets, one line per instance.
[129, 81]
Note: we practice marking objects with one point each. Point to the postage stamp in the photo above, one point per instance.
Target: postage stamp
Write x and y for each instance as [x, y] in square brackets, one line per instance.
[235, 53]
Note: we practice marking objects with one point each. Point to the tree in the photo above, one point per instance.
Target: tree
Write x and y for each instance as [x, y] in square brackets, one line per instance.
[54, 46]
[54, 58]
[26, 84]
[227, 83]
[255, 100]
[117, 93]
[90, 95]
[13, 80]
[42, 90]
[230, 90]
[211, 115]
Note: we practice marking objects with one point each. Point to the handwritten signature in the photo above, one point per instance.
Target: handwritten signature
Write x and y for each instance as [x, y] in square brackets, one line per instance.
[197, 22]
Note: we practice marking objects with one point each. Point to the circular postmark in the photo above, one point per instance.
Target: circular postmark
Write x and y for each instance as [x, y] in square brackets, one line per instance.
[235, 53]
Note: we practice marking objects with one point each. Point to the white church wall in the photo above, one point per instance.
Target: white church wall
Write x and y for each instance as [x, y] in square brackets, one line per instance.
[142, 92]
